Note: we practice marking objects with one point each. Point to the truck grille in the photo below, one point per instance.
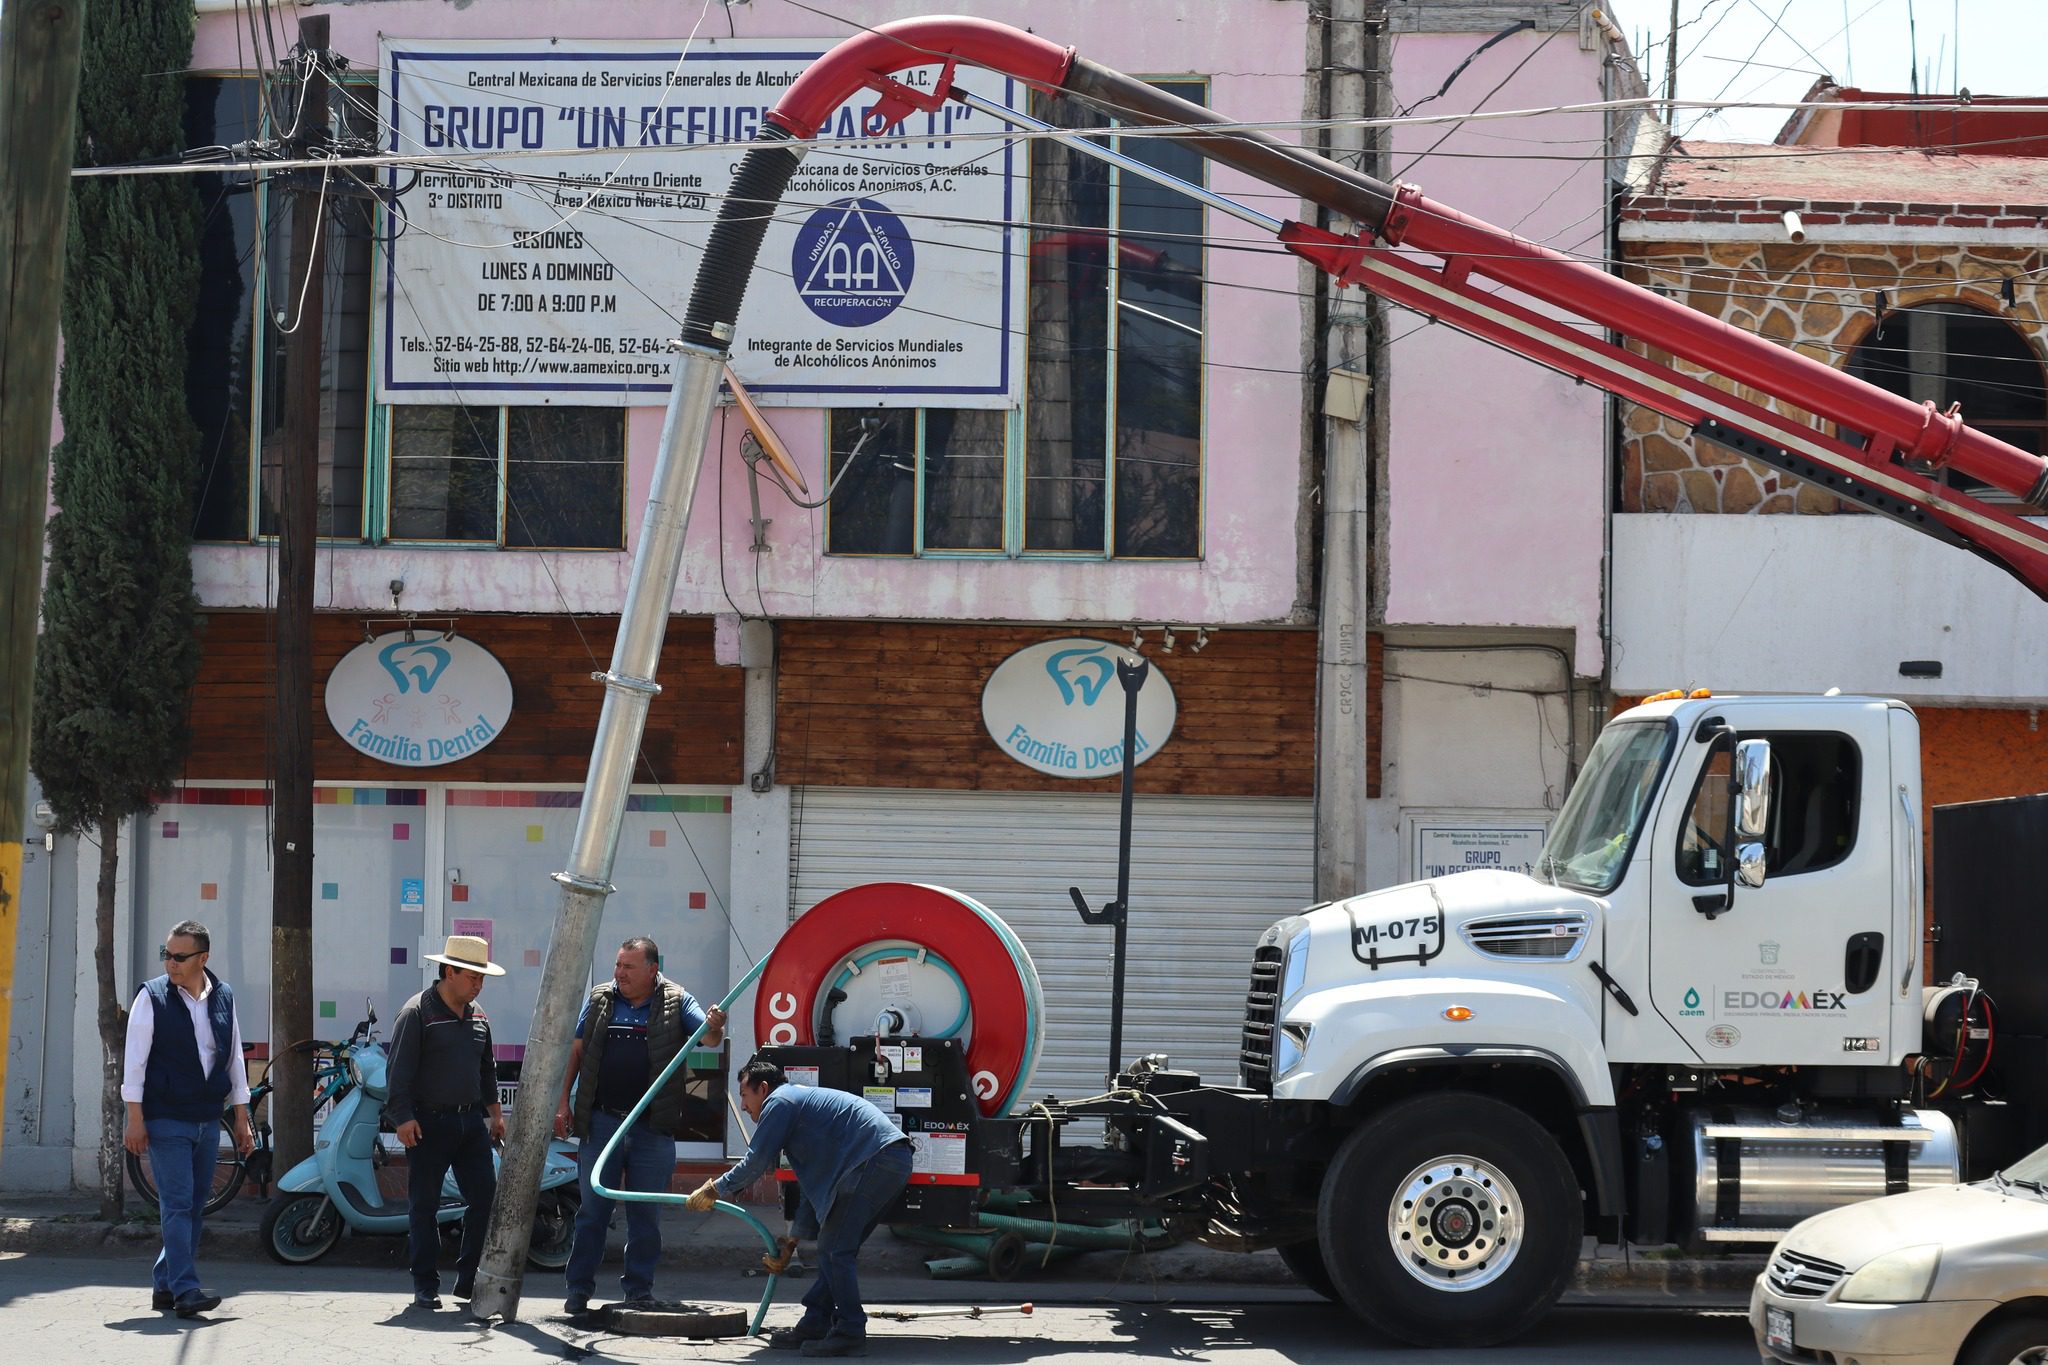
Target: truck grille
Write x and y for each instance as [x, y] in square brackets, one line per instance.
[1558, 935]
[1261, 1012]
[1793, 1275]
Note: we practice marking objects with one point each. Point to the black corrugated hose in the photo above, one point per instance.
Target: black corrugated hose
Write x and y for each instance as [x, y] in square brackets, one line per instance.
[736, 237]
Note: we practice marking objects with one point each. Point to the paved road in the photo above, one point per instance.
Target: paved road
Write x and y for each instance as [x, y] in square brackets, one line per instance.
[91, 1310]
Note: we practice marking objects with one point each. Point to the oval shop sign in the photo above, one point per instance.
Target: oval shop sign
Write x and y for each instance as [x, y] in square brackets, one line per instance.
[1058, 707]
[421, 701]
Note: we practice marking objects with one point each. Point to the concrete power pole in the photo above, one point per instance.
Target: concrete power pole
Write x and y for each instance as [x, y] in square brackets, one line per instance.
[39, 47]
[1352, 51]
[291, 887]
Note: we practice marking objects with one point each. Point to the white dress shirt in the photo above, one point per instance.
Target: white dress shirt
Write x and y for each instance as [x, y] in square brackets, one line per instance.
[142, 1033]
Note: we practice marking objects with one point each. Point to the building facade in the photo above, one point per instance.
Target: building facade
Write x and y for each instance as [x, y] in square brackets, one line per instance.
[1137, 466]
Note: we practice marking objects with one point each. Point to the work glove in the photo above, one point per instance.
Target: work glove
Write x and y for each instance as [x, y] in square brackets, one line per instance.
[785, 1251]
[702, 1198]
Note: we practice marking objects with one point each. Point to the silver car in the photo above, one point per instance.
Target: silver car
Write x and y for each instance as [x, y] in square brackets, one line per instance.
[1949, 1276]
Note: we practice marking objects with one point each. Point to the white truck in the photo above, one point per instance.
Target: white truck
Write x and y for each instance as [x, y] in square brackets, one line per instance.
[1702, 1020]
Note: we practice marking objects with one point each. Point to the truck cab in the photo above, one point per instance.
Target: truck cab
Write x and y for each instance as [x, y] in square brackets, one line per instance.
[1692, 1020]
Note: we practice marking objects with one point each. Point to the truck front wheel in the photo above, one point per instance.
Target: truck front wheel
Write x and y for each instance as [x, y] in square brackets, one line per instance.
[1450, 1220]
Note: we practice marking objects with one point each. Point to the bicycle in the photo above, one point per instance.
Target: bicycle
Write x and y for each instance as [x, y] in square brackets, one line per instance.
[231, 1169]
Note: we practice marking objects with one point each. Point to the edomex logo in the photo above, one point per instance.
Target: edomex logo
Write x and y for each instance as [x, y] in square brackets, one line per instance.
[853, 262]
[414, 665]
[1081, 674]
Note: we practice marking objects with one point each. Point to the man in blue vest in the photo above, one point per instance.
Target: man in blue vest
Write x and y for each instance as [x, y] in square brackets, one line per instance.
[850, 1164]
[631, 1029]
[183, 1067]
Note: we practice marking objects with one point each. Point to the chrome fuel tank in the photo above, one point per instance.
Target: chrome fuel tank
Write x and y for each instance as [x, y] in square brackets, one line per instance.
[1756, 1172]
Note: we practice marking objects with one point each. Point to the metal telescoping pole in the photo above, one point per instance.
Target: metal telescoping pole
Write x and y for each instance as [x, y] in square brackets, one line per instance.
[629, 688]
[1132, 676]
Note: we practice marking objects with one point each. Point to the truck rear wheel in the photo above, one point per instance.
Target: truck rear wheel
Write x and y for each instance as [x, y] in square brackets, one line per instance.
[1305, 1259]
[1450, 1220]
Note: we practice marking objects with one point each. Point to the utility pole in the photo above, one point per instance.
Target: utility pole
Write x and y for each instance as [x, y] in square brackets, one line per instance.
[39, 47]
[1353, 49]
[298, 538]
[1671, 68]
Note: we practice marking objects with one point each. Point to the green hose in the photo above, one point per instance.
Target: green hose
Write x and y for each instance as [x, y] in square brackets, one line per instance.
[598, 1186]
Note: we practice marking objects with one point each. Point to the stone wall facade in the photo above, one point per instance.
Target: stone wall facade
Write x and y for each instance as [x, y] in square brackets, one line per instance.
[1817, 299]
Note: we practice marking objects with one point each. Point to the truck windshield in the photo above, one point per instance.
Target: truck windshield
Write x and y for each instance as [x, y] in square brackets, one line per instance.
[1589, 845]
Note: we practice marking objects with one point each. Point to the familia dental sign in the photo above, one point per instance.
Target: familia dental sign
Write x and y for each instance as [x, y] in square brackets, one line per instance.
[419, 699]
[557, 221]
[1058, 707]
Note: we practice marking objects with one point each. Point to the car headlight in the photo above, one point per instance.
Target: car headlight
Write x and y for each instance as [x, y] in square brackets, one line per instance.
[1896, 1277]
[1297, 967]
[1289, 1048]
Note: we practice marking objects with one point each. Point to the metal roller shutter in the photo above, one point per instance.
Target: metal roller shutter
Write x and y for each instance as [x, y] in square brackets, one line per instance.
[1208, 874]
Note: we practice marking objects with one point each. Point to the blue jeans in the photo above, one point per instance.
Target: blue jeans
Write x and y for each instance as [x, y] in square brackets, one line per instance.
[833, 1301]
[182, 1155]
[649, 1161]
[461, 1142]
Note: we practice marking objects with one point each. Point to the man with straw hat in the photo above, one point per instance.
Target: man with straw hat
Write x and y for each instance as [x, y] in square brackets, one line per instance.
[444, 1104]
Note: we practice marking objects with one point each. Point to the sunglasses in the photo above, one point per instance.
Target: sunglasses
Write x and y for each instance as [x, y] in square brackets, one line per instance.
[166, 955]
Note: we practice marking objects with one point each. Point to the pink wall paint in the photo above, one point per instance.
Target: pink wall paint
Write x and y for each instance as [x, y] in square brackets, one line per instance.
[1497, 469]
[1254, 458]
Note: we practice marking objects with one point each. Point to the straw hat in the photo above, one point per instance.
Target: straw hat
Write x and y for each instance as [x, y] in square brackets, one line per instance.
[468, 952]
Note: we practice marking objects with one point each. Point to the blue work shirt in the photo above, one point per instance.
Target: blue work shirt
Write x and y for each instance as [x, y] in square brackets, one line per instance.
[827, 1134]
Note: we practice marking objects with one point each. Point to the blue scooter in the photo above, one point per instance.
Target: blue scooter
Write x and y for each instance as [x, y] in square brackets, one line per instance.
[336, 1187]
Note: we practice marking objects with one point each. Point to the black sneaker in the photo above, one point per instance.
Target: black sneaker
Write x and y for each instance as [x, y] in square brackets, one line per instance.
[837, 1345]
[465, 1289]
[422, 1299]
[193, 1302]
[793, 1338]
[163, 1300]
[576, 1305]
[639, 1303]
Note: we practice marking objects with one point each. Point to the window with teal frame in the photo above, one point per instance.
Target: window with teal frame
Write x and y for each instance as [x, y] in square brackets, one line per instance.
[1105, 460]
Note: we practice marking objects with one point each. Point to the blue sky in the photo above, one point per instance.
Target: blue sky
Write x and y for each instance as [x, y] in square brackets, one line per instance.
[1730, 49]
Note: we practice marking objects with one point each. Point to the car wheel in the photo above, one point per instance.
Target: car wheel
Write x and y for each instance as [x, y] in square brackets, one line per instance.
[2015, 1341]
[1450, 1220]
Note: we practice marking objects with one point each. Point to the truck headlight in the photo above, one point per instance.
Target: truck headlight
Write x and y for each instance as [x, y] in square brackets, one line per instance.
[1896, 1277]
[1296, 970]
[1289, 1047]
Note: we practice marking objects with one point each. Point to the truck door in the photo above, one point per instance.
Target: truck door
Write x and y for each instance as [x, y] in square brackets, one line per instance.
[1792, 972]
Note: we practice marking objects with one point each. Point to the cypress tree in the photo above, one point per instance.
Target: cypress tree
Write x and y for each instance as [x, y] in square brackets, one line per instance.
[119, 653]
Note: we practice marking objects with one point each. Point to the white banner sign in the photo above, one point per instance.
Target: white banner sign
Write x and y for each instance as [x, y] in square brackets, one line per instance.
[1444, 848]
[890, 276]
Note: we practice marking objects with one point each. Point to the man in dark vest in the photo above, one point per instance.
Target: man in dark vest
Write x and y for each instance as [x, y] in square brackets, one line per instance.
[443, 1105]
[183, 1068]
[631, 1028]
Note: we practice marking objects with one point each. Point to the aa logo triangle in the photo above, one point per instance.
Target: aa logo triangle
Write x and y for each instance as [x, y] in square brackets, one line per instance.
[853, 262]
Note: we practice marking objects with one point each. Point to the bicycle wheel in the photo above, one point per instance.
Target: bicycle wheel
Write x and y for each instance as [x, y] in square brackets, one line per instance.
[229, 1171]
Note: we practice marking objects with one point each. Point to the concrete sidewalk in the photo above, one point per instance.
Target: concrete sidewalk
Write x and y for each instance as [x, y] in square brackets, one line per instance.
[716, 1245]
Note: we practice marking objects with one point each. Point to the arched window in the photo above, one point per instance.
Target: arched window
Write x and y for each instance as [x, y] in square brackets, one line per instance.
[1952, 353]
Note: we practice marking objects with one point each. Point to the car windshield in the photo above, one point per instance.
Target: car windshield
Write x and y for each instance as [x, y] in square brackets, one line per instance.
[1590, 843]
[2029, 1172]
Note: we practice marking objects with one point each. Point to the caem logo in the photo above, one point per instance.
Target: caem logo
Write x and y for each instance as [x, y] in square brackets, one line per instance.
[1692, 1004]
[853, 262]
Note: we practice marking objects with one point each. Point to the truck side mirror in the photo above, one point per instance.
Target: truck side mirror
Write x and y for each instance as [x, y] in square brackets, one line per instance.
[1752, 813]
[1752, 790]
